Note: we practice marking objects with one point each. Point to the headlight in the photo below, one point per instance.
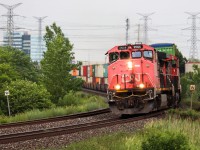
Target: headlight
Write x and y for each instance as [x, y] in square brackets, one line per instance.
[130, 65]
[117, 87]
[141, 86]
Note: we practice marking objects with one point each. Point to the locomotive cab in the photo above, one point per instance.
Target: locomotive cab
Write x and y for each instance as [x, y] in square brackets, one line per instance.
[135, 76]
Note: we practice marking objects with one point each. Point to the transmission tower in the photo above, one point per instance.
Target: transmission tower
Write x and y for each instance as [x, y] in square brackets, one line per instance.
[146, 28]
[10, 22]
[127, 28]
[40, 19]
[193, 51]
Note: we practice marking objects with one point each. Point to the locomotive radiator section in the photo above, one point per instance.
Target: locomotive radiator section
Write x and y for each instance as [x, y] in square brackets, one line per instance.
[131, 101]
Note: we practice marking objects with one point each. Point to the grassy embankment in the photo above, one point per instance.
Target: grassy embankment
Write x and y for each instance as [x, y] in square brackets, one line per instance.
[180, 130]
[169, 133]
[70, 104]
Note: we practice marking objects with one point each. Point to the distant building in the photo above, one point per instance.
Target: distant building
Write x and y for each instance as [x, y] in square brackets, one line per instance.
[36, 53]
[21, 41]
[189, 66]
[26, 43]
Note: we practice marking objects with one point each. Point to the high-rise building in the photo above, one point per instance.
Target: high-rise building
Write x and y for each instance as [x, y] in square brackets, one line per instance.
[21, 41]
[26, 43]
[36, 53]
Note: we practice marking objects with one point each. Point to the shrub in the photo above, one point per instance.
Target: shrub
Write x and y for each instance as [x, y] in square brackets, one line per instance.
[165, 140]
[69, 99]
[25, 96]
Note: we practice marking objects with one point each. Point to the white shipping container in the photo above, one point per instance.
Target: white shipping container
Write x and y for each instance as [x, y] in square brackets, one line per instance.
[81, 70]
[106, 80]
[99, 70]
[84, 78]
[88, 71]
[89, 79]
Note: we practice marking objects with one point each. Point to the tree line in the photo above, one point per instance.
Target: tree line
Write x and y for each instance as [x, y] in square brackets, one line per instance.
[33, 85]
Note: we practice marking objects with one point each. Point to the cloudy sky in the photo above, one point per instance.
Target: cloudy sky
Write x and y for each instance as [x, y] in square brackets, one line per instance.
[95, 26]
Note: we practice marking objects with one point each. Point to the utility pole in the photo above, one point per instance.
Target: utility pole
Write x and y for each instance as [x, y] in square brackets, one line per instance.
[193, 51]
[127, 28]
[10, 22]
[40, 19]
[138, 39]
[146, 28]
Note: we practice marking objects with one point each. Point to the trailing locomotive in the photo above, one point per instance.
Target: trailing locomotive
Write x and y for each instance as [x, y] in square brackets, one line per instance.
[142, 79]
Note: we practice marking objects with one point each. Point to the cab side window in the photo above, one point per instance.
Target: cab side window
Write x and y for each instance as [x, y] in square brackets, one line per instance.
[113, 57]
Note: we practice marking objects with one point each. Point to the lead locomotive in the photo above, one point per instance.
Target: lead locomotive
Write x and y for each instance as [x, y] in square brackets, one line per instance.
[142, 79]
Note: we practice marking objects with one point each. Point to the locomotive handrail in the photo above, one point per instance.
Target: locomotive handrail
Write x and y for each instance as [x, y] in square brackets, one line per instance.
[148, 78]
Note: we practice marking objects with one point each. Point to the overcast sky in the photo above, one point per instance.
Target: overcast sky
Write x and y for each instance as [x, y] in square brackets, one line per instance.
[95, 26]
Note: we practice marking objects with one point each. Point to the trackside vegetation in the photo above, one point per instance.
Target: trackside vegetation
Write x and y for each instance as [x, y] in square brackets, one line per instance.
[83, 103]
[38, 86]
[167, 134]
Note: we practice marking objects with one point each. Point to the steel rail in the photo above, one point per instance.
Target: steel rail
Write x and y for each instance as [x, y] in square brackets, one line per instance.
[10, 138]
[54, 119]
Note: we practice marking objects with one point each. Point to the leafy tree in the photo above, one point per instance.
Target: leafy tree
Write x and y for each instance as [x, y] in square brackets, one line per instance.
[57, 64]
[24, 96]
[191, 78]
[18, 63]
[182, 60]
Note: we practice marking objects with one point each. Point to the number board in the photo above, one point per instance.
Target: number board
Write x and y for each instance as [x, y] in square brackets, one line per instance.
[137, 46]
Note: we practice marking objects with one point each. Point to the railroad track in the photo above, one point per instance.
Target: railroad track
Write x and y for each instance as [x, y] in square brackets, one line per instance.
[104, 94]
[10, 138]
[54, 119]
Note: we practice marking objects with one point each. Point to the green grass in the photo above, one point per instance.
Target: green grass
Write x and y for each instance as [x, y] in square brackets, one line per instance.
[83, 103]
[182, 131]
[185, 113]
[187, 101]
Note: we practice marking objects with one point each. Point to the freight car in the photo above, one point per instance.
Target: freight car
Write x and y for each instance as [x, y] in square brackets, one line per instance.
[142, 79]
[95, 76]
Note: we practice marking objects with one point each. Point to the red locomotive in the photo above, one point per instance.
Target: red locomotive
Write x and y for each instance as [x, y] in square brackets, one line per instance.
[142, 79]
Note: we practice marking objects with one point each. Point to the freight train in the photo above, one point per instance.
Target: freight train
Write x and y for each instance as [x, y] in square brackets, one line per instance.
[138, 78]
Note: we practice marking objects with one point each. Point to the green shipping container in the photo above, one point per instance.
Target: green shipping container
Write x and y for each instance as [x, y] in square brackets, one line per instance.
[168, 48]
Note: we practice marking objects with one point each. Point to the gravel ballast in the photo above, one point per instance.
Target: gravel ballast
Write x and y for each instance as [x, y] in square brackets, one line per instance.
[64, 140]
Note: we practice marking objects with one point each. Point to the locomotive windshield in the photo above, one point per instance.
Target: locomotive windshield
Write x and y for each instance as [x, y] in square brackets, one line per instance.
[148, 54]
[124, 55]
[136, 54]
[113, 57]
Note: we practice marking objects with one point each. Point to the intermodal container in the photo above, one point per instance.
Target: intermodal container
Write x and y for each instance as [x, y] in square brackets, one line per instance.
[74, 72]
[97, 80]
[102, 80]
[168, 48]
[90, 70]
[105, 70]
[85, 71]
[99, 70]
[93, 70]
[106, 80]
